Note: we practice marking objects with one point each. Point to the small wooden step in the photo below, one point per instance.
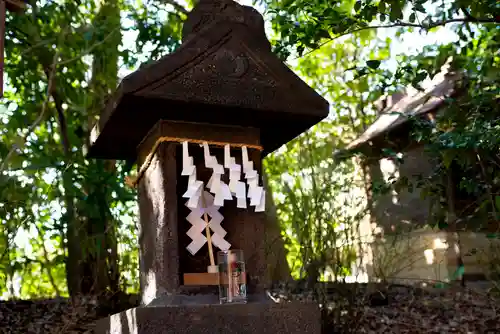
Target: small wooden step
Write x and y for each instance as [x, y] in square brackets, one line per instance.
[206, 279]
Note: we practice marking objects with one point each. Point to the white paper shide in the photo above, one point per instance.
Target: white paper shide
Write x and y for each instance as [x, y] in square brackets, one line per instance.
[256, 193]
[195, 187]
[201, 201]
[199, 226]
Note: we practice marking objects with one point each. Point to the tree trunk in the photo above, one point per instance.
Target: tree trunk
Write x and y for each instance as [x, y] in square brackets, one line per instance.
[454, 253]
[92, 241]
[277, 262]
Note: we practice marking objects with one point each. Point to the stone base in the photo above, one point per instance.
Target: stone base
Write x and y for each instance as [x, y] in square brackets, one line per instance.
[250, 318]
[201, 299]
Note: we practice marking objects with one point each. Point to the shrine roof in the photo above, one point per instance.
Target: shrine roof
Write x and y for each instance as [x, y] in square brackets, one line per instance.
[223, 73]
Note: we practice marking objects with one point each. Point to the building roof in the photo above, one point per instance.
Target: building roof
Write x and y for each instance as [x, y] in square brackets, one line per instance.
[412, 103]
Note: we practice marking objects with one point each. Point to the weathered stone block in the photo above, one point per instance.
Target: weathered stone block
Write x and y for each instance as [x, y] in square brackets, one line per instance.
[261, 318]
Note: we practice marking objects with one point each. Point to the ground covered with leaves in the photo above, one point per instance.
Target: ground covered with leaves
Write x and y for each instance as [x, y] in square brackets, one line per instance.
[46, 316]
[404, 309]
[348, 309]
[434, 312]
[58, 315]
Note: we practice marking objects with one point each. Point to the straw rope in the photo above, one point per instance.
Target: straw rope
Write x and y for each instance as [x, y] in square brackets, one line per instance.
[132, 182]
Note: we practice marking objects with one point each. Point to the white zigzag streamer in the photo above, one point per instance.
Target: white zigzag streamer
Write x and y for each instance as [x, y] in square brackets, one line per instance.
[215, 184]
[199, 225]
[195, 187]
[256, 193]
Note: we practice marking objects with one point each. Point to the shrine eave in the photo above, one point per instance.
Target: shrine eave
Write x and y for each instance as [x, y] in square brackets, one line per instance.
[119, 136]
[15, 5]
[223, 76]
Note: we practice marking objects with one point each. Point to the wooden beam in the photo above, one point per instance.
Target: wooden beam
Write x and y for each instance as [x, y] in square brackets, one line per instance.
[206, 279]
[201, 279]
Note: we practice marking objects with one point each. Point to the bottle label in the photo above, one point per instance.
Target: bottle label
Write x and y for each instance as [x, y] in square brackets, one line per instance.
[238, 280]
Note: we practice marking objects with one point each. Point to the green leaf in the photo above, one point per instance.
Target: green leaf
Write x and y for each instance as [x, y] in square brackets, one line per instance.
[497, 203]
[357, 6]
[396, 12]
[300, 50]
[413, 17]
[373, 64]
[88, 35]
[419, 7]
[382, 6]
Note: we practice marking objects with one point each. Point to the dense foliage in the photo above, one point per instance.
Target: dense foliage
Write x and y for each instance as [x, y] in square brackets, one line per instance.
[63, 60]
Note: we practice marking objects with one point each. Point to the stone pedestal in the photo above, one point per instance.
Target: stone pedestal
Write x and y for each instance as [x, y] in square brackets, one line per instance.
[251, 318]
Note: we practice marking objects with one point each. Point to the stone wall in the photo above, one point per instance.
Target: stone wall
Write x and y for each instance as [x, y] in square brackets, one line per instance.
[404, 210]
[405, 249]
[481, 255]
[411, 258]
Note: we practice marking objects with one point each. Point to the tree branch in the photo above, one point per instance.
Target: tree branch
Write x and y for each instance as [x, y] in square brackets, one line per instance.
[50, 84]
[177, 6]
[400, 24]
[466, 13]
[488, 181]
[91, 48]
[46, 265]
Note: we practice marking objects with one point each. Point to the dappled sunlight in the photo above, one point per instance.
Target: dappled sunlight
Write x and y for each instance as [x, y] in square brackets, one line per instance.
[440, 243]
[411, 258]
[154, 181]
[124, 322]
[390, 173]
[429, 256]
[150, 288]
[115, 324]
